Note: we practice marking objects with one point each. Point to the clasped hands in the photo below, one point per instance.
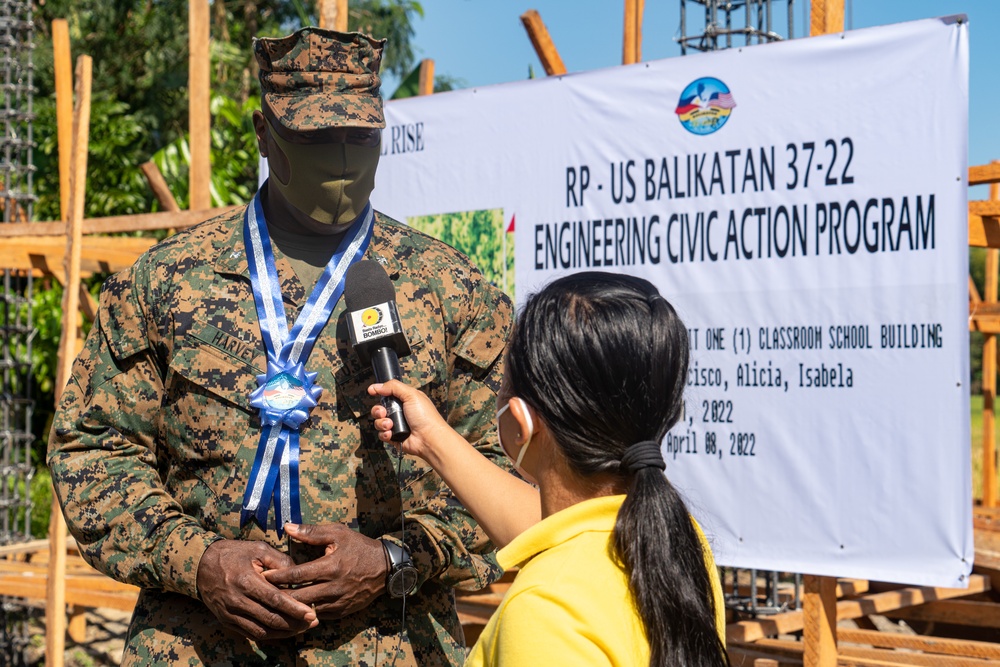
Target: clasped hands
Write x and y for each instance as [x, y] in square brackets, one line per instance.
[261, 593]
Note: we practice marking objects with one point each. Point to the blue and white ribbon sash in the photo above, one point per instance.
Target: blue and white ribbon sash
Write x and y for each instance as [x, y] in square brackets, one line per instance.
[286, 392]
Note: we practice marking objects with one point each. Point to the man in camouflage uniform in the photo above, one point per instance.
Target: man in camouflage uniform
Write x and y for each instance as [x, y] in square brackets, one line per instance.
[155, 437]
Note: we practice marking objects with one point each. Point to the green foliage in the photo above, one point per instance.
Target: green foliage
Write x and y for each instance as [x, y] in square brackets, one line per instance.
[41, 500]
[139, 108]
[46, 315]
[46, 306]
[481, 235]
[977, 270]
[233, 155]
[391, 19]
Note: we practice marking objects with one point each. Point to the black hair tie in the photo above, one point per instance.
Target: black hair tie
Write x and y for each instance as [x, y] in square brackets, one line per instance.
[645, 454]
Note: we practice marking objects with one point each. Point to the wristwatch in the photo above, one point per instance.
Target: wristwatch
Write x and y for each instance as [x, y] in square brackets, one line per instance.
[402, 576]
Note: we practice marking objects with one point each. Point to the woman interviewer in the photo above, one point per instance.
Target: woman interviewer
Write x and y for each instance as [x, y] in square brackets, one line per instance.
[613, 569]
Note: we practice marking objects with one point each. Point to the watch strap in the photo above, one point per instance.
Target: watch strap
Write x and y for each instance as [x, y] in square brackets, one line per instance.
[397, 554]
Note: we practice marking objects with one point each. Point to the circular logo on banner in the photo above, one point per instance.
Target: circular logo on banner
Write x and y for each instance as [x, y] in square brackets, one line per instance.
[283, 392]
[705, 105]
[371, 317]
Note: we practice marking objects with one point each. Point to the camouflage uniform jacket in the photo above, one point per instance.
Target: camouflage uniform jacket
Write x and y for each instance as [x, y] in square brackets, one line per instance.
[154, 440]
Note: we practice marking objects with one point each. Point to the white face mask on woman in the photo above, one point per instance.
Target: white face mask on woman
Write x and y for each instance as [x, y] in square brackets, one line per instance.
[531, 432]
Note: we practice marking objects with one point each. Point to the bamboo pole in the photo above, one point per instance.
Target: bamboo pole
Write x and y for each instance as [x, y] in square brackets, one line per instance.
[55, 611]
[990, 374]
[199, 114]
[426, 86]
[542, 41]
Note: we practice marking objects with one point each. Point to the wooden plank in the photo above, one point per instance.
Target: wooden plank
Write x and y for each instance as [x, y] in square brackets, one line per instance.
[845, 661]
[873, 603]
[984, 232]
[989, 472]
[87, 303]
[629, 36]
[819, 631]
[23, 548]
[640, 10]
[116, 224]
[986, 208]
[96, 582]
[333, 14]
[159, 186]
[35, 590]
[825, 17]
[747, 655]
[63, 64]
[199, 113]
[55, 609]
[990, 514]
[77, 627]
[987, 324]
[959, 612]
[97, 253]
[941, 645]
[851, 587]
[984, 173]
[426, 85]
[921, 660]
[791, 648]
[845, 588]
[542, 41]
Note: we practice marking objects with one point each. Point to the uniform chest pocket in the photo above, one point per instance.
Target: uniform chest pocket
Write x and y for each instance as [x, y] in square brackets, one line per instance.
[206, 403]
[382, 474]
[418, 370]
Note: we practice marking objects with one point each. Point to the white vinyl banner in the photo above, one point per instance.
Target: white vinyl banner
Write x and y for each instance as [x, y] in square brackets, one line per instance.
[803, 206]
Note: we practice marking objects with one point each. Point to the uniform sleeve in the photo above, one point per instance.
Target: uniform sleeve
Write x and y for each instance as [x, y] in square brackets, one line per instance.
[103, 454]
[448, 545]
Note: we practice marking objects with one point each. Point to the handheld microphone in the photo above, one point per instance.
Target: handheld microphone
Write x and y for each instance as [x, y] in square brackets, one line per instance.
[376, 334]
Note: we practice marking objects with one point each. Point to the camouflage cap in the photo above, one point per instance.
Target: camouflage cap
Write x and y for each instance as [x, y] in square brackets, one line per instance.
[314, 79]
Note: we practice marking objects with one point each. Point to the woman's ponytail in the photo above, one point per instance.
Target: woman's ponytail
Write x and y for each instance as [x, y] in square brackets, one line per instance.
[603, 359]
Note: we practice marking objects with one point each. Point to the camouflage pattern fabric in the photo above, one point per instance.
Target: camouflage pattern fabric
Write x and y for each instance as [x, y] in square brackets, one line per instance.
[314, 79]
[154, 440]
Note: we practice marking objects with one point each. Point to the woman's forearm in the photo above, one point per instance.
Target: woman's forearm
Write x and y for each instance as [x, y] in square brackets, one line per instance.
[504, 505]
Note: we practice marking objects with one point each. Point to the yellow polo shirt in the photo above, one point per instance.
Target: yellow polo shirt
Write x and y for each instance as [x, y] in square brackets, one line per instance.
[570, 603]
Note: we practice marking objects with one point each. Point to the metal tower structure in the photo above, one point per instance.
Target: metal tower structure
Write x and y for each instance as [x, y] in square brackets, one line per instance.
[16, 326]
[728, 19]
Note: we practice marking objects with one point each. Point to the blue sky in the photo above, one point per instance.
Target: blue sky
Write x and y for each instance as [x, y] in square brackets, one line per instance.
[482, 42]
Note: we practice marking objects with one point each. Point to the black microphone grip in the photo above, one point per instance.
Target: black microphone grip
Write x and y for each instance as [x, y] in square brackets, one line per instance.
[385, 363]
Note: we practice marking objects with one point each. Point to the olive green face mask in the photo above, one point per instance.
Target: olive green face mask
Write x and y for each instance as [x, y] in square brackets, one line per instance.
[331, 183]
